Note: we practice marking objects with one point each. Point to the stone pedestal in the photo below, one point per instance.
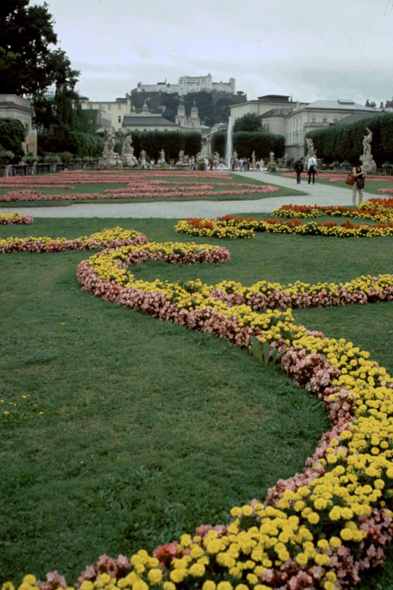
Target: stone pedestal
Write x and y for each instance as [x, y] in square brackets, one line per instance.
[369, 166]
[129, 161]
[111, 161]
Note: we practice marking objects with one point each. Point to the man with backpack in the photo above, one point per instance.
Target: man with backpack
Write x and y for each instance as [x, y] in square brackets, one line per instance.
[298, 168]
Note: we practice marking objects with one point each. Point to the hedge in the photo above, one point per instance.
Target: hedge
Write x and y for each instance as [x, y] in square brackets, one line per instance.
[245, 142]
[12, 134]
[344, 141]
[169, 141]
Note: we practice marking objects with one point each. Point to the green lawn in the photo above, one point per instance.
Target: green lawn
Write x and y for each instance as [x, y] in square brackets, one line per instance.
[100, 188]
[149, 429]
[370, 187]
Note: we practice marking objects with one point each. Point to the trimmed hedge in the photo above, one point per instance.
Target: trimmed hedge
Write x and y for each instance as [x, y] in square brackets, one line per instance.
[12, 134]
[344, 142]
[245, 142]
[169, 141]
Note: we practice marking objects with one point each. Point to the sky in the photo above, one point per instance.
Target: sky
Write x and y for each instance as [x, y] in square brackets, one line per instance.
[310, 49]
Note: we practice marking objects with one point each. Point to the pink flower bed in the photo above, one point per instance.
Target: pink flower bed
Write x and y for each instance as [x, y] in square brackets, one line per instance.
[15, 219]
[144, 191]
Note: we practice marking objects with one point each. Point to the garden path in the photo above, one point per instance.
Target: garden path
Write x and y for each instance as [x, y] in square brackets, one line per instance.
[320, 194]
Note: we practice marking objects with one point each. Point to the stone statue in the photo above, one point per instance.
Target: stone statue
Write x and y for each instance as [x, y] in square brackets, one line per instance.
[271, 155]
[310, 147]
[128, 153]
[181, 159]
[369, 165]
[254, 161]
[367, 139]
[234, 156]
[162, 157]
[285, 159]
[110, 159]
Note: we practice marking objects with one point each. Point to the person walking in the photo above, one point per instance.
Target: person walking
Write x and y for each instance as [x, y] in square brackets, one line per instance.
[358, 185]
[298, 168]
[312, 168]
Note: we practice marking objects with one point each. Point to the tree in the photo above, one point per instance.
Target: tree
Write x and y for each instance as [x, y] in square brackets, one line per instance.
[28, 64]
[249, 122]
[12, 134]
[367, 103]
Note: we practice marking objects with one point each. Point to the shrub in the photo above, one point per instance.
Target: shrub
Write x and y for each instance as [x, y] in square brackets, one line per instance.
[344, 142]
[29, 159]
[52, 159]
[12, 134]
[244, 142]
[6, 156]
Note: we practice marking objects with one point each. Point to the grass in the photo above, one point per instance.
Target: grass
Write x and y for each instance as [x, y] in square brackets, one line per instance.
[136, 443]
[370, 187]
[100, 188]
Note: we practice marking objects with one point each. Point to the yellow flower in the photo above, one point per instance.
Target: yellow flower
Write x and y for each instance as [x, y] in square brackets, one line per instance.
[208, 585]
[302, 559]
[30, 579]
[154, 576]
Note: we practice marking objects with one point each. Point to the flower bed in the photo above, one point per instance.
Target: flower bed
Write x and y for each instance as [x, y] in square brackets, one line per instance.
[239, 227]
[145, 191]
[15, 219]
[107, 238]
[318, 529]
[375, 209]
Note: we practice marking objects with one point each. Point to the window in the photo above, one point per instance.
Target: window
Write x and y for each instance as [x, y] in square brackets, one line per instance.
[119, 106]
[145, 130]
[119, 119]
[335, 120]
[325, 120]
[109, 107]
[314, 120]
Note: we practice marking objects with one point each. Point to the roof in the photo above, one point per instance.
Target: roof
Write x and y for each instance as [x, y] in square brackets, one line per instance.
[153, 121]
[340, 104]
[358, 117]
[277, 112]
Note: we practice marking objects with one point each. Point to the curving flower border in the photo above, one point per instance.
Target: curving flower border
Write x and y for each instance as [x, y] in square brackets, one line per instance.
[15, 219]
[238, 227]
[107, 238]
[318, 529]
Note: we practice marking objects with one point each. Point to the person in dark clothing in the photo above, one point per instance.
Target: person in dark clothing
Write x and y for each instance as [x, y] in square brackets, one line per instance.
[298, 168]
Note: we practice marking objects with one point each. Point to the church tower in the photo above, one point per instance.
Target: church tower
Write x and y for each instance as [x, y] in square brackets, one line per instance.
[194, 119]
[181, 118]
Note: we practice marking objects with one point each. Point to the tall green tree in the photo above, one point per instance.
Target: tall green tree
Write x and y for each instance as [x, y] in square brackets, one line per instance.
[249, 122]
[28, 62]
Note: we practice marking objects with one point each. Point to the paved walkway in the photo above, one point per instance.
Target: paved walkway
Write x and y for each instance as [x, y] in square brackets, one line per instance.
[320, 194]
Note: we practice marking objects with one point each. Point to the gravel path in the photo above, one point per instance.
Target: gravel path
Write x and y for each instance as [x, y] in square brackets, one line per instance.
[320, 194]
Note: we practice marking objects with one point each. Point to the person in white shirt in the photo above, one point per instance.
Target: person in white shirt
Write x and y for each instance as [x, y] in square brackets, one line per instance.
[312, 168]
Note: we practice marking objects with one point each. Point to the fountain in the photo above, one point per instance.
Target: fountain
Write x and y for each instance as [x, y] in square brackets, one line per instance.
[228, 145]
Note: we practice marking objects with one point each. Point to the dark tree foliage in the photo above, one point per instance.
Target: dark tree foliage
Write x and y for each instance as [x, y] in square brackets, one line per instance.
[12, 134]
[344, 142]
[244, 143]
[169, 141]
[28, 63]
[249, 122]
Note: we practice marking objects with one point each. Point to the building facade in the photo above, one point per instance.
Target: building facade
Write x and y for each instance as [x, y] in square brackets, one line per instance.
[294, 120]
[116, 109]
[189, 84]
[16, 107]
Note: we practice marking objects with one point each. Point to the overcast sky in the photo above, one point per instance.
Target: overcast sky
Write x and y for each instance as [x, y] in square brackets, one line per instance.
[312, 49]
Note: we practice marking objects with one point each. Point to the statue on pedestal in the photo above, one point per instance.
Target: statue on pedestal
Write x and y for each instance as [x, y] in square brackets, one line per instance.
[271, 155]
[128, 153]
[110, 159]
[369, 165]
[254, 161]
[162, 161]
[181, 159]
[310, 148]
